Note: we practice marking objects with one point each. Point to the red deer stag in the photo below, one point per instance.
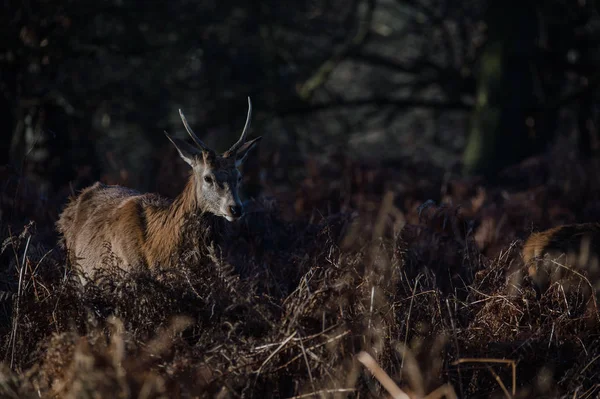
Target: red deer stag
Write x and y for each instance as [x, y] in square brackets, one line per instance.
[145, 230]
[562, 253]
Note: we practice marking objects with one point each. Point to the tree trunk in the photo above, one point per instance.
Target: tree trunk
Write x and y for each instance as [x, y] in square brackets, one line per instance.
[502, 124]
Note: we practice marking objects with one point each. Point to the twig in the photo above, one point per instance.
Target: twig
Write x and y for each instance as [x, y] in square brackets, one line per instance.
[376, 102]
[16, 319]
[408, 317]
[460, 386]
[35, 291]
[383, 378]
[491, 360]
[41, 260]
[323, 72]
[493, 297]
[317, 393]
[308, 337]
[312, 381]
[322, 363]
[413, 372]
[499, 381]
[275, 352]
[587, 393]
[312, 347]
[371, 307]
[589, 364]
[593, 297]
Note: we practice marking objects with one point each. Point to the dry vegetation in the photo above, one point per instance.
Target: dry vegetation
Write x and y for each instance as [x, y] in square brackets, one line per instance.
[281, 304]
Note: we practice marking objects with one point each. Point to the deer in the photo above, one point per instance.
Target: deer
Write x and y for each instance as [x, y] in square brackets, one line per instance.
[561, 253]
[145, 230]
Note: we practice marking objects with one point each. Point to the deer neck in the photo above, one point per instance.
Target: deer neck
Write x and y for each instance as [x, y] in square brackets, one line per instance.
[186, 203]
[165, 226]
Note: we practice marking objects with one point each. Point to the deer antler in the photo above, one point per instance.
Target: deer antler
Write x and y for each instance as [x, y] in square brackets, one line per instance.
[192, 135]
[242, 139]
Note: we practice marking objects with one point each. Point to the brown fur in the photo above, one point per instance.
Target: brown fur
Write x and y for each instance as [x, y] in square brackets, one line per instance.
[574, 246]
[140, 229]
[112, 223]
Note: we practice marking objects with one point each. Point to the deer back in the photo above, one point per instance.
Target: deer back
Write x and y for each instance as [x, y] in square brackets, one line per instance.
[113, 223]
[552, 254]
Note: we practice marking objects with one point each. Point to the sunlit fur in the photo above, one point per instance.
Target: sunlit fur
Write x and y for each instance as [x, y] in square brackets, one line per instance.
[573, 246]
[223, 191]
[145, 230]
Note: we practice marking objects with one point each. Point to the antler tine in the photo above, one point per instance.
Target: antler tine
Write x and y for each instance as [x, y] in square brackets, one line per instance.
[192, 134]
[242, 139]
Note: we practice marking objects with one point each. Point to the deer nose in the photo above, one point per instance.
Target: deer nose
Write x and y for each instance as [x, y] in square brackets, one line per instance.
[235, 210]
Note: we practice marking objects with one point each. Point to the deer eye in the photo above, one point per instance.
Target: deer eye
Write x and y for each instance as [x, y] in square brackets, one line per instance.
[239, 179]
[208, 179]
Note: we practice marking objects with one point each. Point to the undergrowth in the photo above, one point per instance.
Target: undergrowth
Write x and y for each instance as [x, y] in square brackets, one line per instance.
[281, 307]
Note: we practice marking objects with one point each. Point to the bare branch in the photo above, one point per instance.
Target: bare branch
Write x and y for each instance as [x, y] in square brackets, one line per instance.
[321, 75]
[378, 101]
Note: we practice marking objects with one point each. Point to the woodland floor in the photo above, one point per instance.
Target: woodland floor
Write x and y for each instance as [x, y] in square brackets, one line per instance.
[281, 304]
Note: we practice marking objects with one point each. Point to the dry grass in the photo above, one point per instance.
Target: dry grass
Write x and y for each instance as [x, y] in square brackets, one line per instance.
[282, 304]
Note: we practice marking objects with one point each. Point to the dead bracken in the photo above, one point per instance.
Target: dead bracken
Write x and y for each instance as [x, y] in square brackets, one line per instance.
[373, 295]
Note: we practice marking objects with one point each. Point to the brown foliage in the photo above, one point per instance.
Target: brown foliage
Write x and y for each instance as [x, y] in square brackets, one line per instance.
[280, 305]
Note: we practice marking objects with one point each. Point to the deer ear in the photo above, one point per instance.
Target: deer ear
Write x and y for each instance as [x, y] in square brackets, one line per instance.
[188, 153]
[243, 151]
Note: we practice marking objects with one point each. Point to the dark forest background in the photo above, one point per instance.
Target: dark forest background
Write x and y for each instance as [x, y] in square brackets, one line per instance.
[461, 87]
[367, 109]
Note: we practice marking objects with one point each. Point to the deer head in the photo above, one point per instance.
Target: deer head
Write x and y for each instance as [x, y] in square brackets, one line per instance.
[217, 178]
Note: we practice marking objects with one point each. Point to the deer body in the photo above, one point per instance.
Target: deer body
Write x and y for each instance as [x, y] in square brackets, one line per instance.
[550, 254]
[146, 230]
